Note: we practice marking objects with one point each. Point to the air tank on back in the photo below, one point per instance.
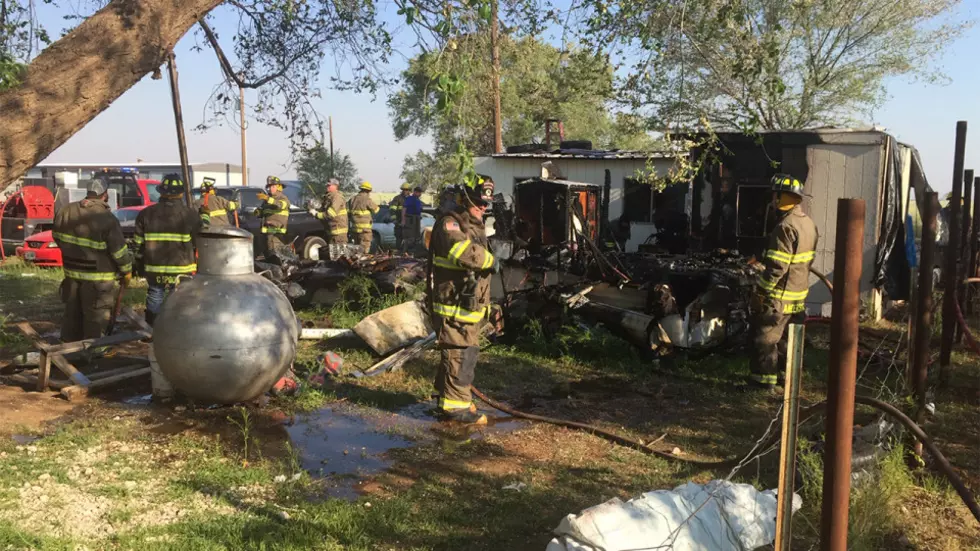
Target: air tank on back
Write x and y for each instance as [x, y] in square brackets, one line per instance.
[226, 334]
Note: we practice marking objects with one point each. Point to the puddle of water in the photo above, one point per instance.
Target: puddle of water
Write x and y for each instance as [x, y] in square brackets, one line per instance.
[144, 400]
[345, 444]
[25, 439]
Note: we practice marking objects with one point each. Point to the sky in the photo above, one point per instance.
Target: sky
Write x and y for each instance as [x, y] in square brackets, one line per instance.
[140, 124]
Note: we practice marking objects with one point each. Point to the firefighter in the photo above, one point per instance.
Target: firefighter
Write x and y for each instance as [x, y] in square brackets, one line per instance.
[164, 239]
[275, 215]
[396, 210]
[362, 209]
[461, 266]
[214, 209]
[781, 294]
[333, 215]
[94, 255]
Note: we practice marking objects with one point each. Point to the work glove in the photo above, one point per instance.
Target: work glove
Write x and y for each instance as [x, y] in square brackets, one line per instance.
[256, 212]
[262, 196]
[312, 211]
[126, 279]
[496, 267]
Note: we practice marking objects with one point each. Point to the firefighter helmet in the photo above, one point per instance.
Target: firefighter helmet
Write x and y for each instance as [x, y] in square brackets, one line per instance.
[171, 186]
[272, 181]
[479, 190]
[785, 183]
[207, 184]
[365, 186]
[406, 187]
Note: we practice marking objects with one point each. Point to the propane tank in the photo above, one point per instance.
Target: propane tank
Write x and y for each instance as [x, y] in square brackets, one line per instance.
[226, 334]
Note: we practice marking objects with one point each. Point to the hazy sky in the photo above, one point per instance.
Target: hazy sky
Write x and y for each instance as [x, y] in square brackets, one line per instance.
[140, 125]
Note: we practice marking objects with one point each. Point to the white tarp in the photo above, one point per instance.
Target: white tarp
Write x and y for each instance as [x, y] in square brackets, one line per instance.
[717, 516]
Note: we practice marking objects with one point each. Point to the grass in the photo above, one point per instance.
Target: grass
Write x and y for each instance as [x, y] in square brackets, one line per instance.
[447, 492]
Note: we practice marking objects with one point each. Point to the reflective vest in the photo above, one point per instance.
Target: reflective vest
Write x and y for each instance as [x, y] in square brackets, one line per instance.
[787, 259]
[395, 207]
[275, 214]
[334, 213]
[362, 210]
[164, 239]
[91, 242]
[461, 263]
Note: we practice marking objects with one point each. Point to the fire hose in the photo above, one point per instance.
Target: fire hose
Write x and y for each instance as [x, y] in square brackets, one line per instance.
[806, 414]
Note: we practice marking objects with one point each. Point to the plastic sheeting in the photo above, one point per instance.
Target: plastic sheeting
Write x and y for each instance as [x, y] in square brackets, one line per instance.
[717, 516]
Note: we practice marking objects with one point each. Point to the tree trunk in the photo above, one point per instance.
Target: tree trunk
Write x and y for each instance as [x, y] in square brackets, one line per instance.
[77, 77]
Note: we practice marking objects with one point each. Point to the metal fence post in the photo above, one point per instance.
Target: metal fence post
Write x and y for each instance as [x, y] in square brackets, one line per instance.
[950, 272]
[842, 374]
[922, 333]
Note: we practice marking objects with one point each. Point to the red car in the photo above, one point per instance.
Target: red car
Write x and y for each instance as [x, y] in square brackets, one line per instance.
[42, 250]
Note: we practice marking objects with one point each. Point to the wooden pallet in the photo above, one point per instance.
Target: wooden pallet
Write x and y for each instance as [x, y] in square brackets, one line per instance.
[78, 384]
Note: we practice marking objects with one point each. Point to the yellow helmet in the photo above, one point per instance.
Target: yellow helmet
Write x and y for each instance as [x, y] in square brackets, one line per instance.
[365, 186]
[406, 187]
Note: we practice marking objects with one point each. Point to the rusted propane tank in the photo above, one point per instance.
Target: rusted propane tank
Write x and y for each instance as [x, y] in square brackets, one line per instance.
[226, 334]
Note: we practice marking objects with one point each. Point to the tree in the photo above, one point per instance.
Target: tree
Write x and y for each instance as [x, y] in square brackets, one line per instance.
[314, 168]
[279, 48]
[767, 64]
[538, 82]
[428, 171]
[20, 36]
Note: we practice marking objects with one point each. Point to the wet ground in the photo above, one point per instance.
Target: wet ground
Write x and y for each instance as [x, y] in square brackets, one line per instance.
[347, 444]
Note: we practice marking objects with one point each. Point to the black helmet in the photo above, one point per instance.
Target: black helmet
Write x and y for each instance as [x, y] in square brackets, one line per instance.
[479, 190]
[784, 183]
[171, 186]
[208, 183]
[272, 181]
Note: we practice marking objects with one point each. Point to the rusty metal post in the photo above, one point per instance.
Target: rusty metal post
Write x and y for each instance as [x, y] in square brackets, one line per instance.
[922, 333]
[964, 253]
[842, 378]
[950, 272]
[179, 119]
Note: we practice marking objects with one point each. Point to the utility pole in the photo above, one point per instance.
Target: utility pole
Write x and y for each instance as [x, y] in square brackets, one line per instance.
[241, 110]
[332, 167]
[179, 119]
[498, 138]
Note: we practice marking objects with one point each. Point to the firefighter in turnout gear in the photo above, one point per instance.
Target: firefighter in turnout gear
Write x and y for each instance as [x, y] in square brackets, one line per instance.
[94, 254]
[362, 210]
[785, 281]
[461, 265]
[333, 215]
[214, 209]
[396, 210]
[275, 215]
[164, 239]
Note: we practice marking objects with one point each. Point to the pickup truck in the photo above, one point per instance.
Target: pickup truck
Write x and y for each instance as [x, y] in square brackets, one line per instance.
[305, 232]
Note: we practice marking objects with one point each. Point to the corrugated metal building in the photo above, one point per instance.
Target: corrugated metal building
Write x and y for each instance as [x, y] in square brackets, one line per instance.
[224, 174]
[833, 164]
[592, 167]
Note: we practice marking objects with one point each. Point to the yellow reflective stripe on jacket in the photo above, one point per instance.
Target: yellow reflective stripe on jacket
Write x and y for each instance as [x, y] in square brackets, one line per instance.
[487, 260]
[283, 207]
[767, 285]
[80, 241]
[176, 237]
[443, 262]
[361, 212]
[90, 276]
[270, 229]
[363, 226]
[156, 269]
[338, 231]
[787, 258]
[447, 404]
[232, 205]
[120, 253]
[457, 250]
[788, 295]
[459, 314]
[335, 213]
[218, 212]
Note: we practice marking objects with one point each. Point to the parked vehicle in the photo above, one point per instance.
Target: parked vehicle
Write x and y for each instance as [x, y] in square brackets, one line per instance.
[130, 191]
[25, 213]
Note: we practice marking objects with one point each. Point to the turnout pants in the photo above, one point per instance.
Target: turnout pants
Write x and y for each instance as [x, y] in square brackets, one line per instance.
[155, 294]
[768, 343]
[274, 242]
[410, 232]
[364, 240]
[88, 307]
[459, 350]
[339, 239]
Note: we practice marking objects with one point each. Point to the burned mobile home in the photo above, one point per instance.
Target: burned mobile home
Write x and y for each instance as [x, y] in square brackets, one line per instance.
[671, 255]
